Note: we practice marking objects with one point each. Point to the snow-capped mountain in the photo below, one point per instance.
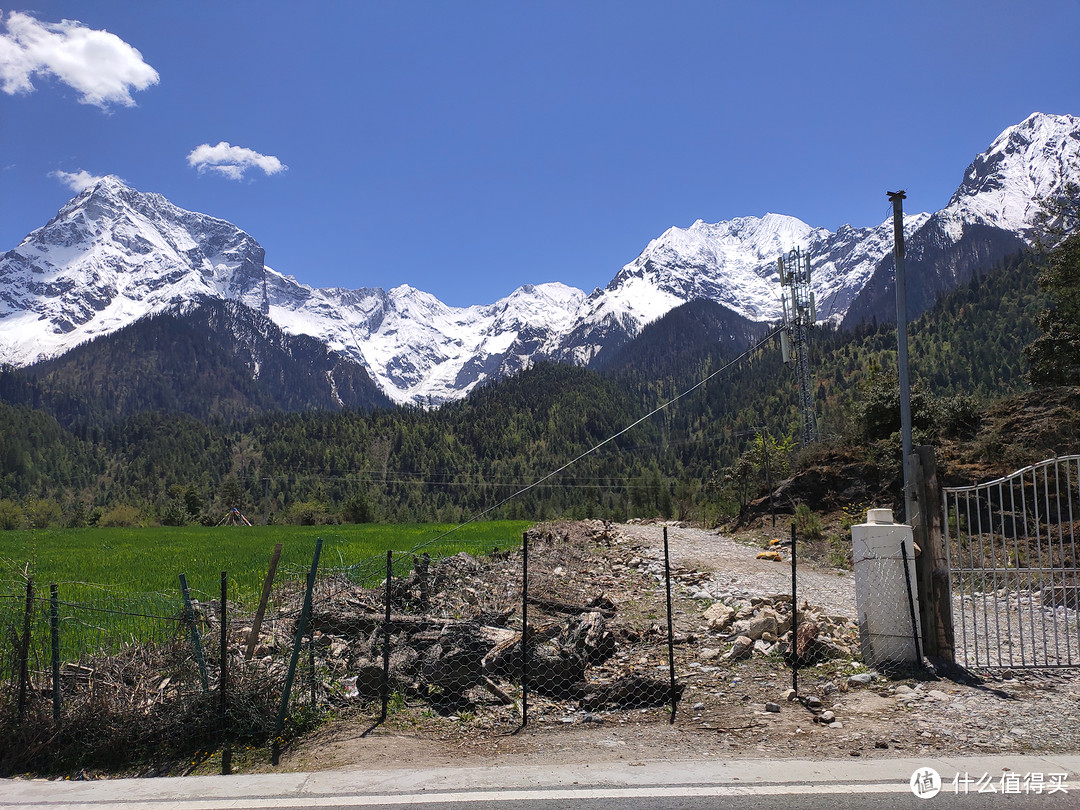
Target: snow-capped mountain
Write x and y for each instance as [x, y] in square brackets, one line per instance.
[113, 255]
[992, 214]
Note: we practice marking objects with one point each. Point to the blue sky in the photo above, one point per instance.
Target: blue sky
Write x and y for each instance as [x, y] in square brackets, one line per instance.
[467, 148]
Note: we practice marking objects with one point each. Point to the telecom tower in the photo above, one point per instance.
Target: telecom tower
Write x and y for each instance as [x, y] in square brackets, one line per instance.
[799, 319]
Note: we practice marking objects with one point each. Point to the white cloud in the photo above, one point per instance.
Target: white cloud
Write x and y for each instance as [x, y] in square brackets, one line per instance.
[232, 161]
[77, 181]
[100, 66]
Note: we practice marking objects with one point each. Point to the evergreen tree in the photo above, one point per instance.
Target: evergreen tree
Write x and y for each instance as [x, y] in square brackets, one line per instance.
[1054, 356]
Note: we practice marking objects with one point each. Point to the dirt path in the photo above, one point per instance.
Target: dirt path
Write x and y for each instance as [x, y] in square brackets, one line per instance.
[736, 571]
[724, 711]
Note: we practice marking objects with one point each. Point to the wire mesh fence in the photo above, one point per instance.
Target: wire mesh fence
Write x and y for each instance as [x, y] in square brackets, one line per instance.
[540, 633]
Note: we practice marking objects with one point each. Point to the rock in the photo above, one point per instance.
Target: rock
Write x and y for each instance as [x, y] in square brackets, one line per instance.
[826, 717]
[763, 647]
[937, 694]
[709, 653]
[772, 707]
[812, 702]
[765, 622]
[862, 679]
[742, 648]
[790, 695]
[718, 616]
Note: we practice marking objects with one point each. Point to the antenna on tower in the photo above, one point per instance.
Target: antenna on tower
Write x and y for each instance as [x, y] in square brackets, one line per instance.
[795, 339]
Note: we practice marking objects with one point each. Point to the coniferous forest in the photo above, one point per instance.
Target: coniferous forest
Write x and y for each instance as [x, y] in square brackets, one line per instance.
[74, 453]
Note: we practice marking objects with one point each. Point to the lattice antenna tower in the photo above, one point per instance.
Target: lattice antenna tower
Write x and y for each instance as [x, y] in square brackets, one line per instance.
[799, 319]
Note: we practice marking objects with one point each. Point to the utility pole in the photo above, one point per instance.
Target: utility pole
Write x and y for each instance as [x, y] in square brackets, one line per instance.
[795, 339]
[897, 199]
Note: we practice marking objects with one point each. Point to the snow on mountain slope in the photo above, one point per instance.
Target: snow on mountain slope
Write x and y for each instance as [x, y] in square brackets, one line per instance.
[1028, 162]
[113, 255]
[109, 257]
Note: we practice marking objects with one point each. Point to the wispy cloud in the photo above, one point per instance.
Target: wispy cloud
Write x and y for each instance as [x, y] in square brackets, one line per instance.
[100, 66]
[77, 181]
[232, 161]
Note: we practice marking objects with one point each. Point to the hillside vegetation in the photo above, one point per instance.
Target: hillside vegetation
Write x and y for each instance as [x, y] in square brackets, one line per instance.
[68, 462]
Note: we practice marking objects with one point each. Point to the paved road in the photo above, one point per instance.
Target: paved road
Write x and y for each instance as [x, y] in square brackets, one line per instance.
[741, 784]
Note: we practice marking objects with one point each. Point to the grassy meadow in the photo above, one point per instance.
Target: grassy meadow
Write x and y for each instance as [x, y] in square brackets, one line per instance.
[116, 584]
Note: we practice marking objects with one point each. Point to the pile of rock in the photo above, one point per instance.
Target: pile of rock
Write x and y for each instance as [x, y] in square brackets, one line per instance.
[763, 625]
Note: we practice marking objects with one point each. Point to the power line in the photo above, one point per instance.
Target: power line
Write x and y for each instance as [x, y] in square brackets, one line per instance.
[611, 438]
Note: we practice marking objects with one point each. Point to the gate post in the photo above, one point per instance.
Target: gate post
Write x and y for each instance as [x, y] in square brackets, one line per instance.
[931, 571]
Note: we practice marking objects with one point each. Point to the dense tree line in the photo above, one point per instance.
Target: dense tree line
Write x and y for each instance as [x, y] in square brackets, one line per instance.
[491, 450]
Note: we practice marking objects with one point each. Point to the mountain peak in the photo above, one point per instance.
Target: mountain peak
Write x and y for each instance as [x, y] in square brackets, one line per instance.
[1025, 164]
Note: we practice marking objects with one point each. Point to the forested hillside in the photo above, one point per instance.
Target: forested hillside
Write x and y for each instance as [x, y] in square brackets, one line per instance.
[492, 448]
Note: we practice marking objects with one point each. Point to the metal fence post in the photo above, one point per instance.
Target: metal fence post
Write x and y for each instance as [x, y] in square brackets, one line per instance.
[385, 685]
[24, 650]
[298, 642]
[54, 630]
[193, 630]
[794, 615]
[223, 678]
[911, 604]
[524, 629]
[670, 632]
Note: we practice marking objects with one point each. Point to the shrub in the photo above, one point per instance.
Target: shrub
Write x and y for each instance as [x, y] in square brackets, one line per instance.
[119, 517]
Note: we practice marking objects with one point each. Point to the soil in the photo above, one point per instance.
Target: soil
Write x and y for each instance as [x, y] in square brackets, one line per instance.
[723, 710]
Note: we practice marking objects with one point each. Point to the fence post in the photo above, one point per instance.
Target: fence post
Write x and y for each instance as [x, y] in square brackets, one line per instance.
[193, 630]
[298, 642]
[794, 614]
[24, 649]
[54, 631]
[385, 685]
[524, 629]
[911, 604]
[670, 633]
[223, 679]
[268, 585]
[931, 570]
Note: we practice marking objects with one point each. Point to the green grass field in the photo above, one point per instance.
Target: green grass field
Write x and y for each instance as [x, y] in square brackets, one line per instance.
[113, 584]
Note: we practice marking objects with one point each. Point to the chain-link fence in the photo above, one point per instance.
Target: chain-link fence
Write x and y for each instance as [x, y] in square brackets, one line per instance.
[542, 633]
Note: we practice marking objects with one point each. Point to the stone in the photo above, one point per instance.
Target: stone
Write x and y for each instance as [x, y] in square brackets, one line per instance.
[764, 622]
[742, 648]
[763, 647]
[790, 695]
[826, 717]
[708, 653]
[937, 694]
[772, 707]
[718, 616]
[862, 679]
[812, 702]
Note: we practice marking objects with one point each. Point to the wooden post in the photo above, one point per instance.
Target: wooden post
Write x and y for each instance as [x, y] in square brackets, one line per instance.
[931, 572]
[268, 585]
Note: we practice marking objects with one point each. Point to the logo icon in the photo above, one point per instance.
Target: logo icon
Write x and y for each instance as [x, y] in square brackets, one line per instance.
[925, 783]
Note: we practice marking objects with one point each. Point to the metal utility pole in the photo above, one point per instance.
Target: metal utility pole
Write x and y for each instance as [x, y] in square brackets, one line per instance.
[795, 340]
[897, 199]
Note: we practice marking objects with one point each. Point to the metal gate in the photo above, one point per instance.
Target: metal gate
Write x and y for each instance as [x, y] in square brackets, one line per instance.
[1010, 548]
